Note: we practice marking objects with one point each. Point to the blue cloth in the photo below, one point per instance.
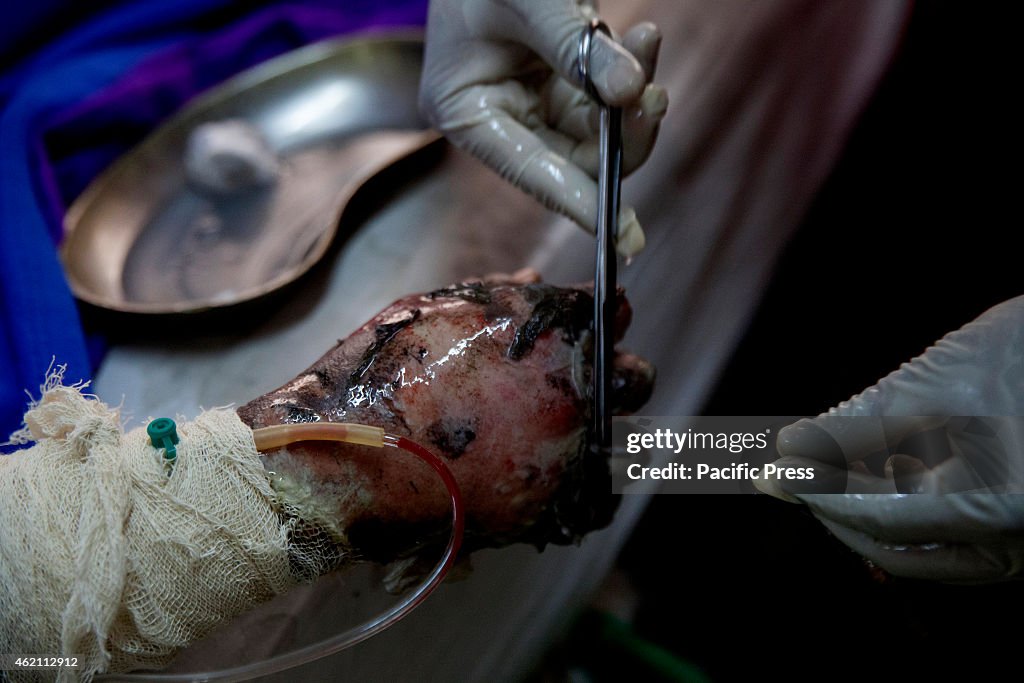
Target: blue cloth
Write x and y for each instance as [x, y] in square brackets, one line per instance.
[78, 102]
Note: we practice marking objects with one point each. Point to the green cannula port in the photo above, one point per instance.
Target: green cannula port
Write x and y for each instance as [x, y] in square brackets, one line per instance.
[163, 433]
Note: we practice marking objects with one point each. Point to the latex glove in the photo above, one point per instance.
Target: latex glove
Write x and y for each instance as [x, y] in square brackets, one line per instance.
[899, 513]
[500, 81]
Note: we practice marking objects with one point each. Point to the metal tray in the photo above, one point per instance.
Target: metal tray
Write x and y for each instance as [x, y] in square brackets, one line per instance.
[141, 240]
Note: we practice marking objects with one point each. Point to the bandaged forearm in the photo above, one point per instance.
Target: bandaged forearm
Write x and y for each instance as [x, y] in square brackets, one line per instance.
[105, 556]
[121, 556]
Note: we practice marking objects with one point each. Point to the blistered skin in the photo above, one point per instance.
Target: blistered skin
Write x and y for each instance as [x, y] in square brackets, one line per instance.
[492, 377]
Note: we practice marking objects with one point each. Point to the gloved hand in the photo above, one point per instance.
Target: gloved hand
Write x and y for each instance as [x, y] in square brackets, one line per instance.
[500, 81]
[900, 468]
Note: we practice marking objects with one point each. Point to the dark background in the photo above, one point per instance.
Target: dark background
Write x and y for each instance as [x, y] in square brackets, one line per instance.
[913, 235]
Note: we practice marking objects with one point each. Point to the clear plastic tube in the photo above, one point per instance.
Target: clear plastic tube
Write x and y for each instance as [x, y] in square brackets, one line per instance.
[281, 435]
[277, 436]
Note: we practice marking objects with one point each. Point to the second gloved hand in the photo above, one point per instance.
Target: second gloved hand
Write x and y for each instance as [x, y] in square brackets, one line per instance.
[931, 458]
[500, 80]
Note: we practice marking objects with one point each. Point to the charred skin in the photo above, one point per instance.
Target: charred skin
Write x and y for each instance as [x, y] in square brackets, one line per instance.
[494, 378]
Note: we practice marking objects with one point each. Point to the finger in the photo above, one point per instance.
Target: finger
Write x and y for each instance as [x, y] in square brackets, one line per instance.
[517, 153]
[984, 472]
[968, 454]
[577, 118]
[571, 112]
[936, 561]
[910, 475]
[955, 475]
[553, 30]
[834, 438]
[640, 124]
[643, 41]
[820, 478]
[925, 518]
[824, 479]
[902, 474]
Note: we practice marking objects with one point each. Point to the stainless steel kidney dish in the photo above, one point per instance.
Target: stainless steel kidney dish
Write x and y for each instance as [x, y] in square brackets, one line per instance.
[144, 239]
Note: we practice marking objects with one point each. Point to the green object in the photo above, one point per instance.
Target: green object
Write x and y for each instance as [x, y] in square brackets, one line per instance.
[163, 433]
[620, 635]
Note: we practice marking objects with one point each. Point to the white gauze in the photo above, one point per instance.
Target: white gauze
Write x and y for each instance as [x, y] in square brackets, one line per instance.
[105, 556]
